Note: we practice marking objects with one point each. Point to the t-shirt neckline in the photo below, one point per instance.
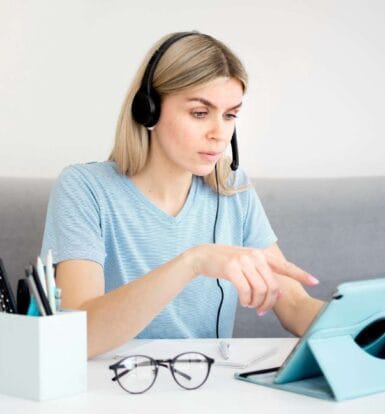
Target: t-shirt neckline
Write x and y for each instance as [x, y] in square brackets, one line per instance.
[158, 211]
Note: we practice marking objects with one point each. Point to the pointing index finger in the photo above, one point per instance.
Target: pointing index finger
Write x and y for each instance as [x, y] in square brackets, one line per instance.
[291, 270]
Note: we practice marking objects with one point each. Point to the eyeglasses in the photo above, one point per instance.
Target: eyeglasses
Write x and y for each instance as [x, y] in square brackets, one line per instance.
[137, 373]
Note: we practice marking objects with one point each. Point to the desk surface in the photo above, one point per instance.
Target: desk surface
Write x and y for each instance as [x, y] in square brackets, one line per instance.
[220, 394]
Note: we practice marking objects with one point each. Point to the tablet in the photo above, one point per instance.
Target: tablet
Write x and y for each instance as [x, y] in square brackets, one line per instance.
[356, 309]
[352, 304]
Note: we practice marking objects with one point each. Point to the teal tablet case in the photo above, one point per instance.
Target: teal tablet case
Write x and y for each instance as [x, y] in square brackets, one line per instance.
[342, 354]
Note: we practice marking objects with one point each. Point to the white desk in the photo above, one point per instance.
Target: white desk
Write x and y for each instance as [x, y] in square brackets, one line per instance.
[220, 394]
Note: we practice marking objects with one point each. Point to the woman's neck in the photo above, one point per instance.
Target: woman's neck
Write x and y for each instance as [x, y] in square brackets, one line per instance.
[164, 185]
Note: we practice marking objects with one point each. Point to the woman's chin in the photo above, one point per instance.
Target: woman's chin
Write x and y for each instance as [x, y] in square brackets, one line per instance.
[203, 170]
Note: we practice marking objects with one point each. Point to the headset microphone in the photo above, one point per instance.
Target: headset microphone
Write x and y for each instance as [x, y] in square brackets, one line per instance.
[234, 148]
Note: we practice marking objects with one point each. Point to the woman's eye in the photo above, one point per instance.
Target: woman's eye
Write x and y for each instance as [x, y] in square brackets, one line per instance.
[202, 114]
[199, 114]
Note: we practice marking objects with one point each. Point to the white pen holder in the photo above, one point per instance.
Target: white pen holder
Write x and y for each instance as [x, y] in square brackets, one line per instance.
[43, 357]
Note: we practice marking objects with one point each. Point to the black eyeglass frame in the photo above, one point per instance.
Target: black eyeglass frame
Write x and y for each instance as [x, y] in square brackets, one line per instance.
[165, 363]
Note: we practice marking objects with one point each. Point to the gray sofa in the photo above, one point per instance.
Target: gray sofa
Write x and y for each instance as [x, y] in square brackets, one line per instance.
[333, 228]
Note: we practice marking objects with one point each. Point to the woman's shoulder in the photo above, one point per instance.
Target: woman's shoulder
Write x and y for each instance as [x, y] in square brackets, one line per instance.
[90, 177]
[90, 171]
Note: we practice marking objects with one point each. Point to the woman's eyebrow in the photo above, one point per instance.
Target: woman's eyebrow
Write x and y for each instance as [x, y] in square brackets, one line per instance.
[210, 104]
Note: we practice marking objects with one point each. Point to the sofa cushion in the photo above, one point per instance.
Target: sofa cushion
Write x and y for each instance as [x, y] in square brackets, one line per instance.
[332, 227]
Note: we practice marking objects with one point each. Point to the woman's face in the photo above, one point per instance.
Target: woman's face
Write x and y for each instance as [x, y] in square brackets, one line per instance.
[196, 125]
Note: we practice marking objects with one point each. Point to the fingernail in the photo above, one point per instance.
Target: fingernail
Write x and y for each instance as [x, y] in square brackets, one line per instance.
[313, 280]
[261, 313]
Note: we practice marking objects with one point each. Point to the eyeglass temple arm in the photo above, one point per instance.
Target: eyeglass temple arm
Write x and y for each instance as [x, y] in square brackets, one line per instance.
[182, 374]
[142, 364]
[163, 362]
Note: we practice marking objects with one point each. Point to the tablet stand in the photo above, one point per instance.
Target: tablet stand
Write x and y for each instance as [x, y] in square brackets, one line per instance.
[350, 370]
[348, 367]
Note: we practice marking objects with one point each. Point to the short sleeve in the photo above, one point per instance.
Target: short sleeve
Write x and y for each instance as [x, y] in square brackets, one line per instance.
[72, 228]
[257, 231]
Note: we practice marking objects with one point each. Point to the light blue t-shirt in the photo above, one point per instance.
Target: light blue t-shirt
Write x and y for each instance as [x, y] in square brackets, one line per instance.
[95, 213]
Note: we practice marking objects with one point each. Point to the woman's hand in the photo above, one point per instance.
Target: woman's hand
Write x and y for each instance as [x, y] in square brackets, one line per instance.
[252, 272]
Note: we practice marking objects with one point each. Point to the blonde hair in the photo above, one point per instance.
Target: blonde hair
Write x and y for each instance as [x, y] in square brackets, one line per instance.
[191, 61]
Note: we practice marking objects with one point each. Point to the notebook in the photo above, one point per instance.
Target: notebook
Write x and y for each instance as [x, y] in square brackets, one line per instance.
[7, 300]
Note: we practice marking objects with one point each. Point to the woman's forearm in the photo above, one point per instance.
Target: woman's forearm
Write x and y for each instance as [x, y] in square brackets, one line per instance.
[122, 313]
[302, 315]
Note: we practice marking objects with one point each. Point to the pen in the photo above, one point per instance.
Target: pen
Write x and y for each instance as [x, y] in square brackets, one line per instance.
[41, 274]
[260, 371]
[50, 281]
[224, 349]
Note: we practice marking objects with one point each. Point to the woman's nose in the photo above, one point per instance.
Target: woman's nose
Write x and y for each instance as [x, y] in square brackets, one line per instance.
[219, 130]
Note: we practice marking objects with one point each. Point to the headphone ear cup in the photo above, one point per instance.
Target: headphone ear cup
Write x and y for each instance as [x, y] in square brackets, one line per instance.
[146, 108]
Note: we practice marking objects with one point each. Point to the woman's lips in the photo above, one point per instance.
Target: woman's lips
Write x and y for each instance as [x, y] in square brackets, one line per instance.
[210, 156]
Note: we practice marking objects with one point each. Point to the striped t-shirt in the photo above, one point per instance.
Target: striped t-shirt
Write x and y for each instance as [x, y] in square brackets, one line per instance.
[95, 213]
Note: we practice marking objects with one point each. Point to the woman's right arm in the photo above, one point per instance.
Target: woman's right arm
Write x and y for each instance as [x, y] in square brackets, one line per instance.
[119, 315]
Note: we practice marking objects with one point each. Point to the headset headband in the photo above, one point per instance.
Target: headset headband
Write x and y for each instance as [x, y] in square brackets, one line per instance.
[146, 85]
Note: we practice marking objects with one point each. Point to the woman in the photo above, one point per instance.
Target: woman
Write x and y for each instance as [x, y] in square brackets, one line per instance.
[144, 242]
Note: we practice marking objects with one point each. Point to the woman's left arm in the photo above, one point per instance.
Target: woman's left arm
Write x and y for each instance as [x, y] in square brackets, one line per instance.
[295, 309]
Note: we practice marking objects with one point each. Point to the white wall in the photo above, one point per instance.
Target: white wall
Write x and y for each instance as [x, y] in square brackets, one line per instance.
[316, 70]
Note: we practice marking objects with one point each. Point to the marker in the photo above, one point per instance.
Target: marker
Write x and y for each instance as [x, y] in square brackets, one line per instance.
[58, 299]
[33, 309]
[49, 277]
[224, 349]
[34, 295]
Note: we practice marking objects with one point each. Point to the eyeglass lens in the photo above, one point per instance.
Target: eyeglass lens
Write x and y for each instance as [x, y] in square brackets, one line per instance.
[195, 367]
[136, 374]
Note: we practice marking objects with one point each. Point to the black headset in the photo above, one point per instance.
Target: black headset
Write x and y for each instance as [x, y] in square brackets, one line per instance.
[146, 111]
[146, 103]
